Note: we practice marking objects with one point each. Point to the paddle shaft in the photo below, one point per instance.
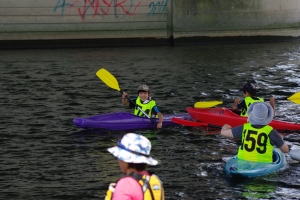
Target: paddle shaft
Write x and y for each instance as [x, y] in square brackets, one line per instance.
[282, 98]
[185, 122]
[121, 91]
[213, 126]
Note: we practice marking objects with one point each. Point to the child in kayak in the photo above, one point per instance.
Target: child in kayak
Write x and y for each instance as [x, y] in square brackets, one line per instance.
[258, 138]
[249, 92]
[133, 154]
[145, 102]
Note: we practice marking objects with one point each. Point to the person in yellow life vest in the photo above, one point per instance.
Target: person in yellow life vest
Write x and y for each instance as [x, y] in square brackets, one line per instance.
[249, 92]
[133, 154]
[258, 138]
[144, 102]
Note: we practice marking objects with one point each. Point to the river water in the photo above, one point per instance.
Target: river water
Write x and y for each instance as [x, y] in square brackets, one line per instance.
[44, 156]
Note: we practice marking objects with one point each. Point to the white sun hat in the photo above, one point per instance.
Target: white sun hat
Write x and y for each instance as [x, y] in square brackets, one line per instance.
[260, 113]
[133, 148]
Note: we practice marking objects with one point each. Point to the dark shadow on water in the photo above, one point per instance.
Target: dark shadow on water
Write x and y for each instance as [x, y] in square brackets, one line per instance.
[235, 181]
[110, 134]
[256, 188]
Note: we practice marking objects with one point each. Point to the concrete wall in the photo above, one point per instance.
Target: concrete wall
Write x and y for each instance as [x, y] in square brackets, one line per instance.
[159, 19]
[215, 18]
[82, 19]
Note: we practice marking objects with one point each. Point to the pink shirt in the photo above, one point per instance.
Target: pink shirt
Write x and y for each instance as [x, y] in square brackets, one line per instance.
[128, 189]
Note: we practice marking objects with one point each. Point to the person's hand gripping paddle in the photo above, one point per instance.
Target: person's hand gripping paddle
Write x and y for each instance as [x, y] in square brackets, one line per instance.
[112, 82]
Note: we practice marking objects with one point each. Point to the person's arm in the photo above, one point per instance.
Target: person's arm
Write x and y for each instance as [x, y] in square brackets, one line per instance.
[160, 118]
[284, 148]
[124, 100]
[235, 132]
[236, 101]
[272, 103]
[277, 140]
[227, 131]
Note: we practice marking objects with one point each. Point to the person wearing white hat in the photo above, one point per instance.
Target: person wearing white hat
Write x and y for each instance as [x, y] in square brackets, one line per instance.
[258, 138]
[145, 102]
[133, 154]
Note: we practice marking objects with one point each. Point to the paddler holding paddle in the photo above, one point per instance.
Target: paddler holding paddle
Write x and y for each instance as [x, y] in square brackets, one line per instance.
[144, 105]
[249, 92]
[144, 102]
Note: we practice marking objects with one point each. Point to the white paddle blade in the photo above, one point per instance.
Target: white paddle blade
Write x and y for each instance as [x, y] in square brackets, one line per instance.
[295, 154]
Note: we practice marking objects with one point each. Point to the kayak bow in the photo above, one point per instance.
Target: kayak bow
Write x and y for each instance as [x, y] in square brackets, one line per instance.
[221, 116]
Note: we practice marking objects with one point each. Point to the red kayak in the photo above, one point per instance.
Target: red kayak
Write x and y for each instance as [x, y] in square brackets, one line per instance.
[219, 116]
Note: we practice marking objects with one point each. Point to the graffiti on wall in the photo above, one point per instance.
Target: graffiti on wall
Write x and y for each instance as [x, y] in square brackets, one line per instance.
[158, 7]
[104, 7]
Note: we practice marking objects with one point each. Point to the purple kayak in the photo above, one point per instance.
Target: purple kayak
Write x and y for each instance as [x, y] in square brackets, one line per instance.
[124, 121]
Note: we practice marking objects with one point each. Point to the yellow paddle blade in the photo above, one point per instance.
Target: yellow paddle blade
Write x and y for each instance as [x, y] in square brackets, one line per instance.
[295, 98]
[207, 104]
[108, 79]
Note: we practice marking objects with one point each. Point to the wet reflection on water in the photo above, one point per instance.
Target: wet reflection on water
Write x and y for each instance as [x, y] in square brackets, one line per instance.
[44, 156]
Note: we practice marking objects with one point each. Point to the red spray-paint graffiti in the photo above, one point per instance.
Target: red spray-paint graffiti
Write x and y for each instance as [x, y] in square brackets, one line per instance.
[98, 7]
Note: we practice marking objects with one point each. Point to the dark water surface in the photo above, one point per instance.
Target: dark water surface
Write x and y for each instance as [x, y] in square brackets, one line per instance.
[44, 156]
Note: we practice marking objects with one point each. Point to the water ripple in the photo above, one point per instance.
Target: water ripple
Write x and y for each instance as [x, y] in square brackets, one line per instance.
[44, 156]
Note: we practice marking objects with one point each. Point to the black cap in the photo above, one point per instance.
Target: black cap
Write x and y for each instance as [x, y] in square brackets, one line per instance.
[250, 88]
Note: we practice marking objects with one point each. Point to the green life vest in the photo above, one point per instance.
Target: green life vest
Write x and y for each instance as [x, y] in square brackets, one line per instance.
[146, 107]
[151, 186]
[248, 102]
[256, 145]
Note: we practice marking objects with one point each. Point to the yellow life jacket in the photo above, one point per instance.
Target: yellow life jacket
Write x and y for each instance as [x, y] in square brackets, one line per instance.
[248, 102]
[151, 186]
[256, 145]
[146, 107]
